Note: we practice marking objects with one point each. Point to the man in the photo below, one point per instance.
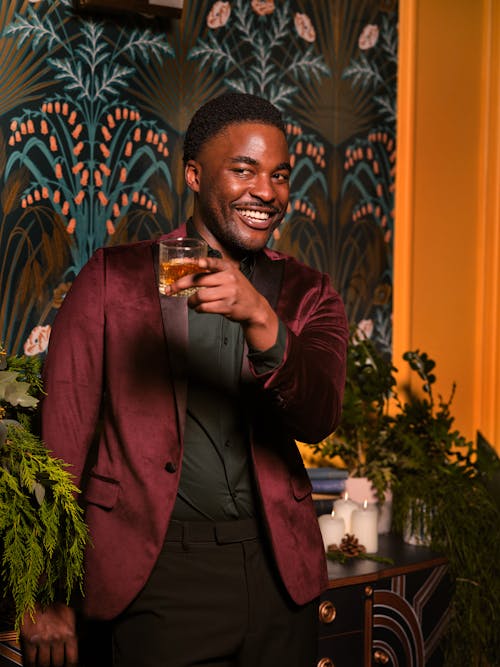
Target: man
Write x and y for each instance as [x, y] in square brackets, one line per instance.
[206, 548]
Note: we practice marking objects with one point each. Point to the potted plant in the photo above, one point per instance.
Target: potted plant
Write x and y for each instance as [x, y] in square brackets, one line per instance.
[42, 531]
[359, 442]
[429, 451]
[439, 485]
[441, 496]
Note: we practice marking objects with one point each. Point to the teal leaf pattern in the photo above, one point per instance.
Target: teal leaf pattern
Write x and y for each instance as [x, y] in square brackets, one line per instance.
[91, 131]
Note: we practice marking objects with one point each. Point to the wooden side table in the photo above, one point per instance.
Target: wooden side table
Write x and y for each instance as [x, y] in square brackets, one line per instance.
[377, 614]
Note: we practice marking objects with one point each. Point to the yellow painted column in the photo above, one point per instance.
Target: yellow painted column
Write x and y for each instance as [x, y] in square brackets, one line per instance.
[487, 380]
[445, 233]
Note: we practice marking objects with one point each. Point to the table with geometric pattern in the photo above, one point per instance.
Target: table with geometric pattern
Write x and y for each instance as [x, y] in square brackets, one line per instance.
[385, 614]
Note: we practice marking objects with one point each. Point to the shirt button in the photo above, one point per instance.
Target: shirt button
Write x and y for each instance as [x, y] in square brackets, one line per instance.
[227, 443]
[170, 467]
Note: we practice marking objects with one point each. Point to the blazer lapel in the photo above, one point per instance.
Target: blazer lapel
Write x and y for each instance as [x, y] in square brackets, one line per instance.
[267, 279]
[175, 327]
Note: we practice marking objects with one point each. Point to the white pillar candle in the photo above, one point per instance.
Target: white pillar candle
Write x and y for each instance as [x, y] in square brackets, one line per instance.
[364, 526]
[344, 507]
[332, 529]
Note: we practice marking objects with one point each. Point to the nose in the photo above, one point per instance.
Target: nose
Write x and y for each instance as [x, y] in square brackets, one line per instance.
[263, 188]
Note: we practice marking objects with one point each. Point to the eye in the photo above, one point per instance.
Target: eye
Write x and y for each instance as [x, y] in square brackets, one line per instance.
[241, 171]
[281, 176]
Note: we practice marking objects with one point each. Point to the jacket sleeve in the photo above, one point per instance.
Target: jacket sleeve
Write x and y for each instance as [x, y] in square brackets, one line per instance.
[73, 369]
[305, 391]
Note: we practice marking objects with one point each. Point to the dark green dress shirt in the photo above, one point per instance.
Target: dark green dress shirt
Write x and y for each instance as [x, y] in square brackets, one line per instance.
[216, 477]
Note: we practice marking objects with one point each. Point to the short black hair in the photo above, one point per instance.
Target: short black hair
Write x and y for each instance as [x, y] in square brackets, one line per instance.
[228, 109]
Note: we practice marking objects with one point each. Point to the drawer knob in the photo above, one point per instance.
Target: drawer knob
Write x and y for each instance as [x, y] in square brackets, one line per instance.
[325, 662]
[380, 657]
[327, 613]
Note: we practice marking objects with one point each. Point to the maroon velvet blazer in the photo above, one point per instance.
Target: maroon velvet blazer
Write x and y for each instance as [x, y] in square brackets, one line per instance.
[116, 368]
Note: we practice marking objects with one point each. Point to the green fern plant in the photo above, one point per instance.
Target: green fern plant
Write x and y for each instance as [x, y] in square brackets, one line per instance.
[438, 482]
[441, 485]
[42, 530]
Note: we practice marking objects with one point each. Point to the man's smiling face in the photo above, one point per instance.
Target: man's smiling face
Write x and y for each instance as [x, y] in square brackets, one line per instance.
[241, 183]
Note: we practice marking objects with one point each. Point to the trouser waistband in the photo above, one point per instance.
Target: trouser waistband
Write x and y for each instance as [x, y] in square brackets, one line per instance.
[220, 532]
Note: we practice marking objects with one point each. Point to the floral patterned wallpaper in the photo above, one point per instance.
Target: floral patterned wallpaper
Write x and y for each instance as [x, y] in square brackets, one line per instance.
[92, 115]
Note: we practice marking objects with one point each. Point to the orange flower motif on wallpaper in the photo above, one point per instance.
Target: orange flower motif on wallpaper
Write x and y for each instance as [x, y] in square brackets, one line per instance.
[369, 37]
[365, 328]
[98, 155]
[93, 163]
[101, 178]
[219, 14]
[38, 340]
[370, 165]
[304, 27]
[263, 7]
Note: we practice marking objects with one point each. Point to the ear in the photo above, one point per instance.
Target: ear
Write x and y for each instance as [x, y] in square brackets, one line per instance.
[192, 172]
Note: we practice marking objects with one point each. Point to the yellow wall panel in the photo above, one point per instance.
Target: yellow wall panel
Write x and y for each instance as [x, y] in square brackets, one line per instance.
[443, 237]
[487, 395]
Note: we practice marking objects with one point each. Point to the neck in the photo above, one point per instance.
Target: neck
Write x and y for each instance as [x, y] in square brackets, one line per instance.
[200, 229]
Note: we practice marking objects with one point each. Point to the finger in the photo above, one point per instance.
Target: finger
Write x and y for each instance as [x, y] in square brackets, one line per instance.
[72, 652]
[44, 655]
[206, 295]
[187, 281]
[29, 652]
[228, 280]
[213, 264]
[57, 654]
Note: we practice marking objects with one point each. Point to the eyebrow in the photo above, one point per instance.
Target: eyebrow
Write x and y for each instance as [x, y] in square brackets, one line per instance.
[250, 160]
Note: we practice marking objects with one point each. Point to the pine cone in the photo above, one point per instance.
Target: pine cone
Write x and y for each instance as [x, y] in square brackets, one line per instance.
[349, 546]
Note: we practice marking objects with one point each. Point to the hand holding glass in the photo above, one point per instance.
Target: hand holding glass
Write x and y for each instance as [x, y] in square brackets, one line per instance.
[177, 258]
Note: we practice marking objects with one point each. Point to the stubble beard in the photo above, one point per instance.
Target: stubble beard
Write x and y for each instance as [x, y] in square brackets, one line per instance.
[232, 242]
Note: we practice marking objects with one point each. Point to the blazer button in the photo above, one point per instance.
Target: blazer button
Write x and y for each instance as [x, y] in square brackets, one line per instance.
[170, 467]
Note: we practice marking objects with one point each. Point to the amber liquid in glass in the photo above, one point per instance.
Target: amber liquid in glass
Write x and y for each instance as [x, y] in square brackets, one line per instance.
[175, 269]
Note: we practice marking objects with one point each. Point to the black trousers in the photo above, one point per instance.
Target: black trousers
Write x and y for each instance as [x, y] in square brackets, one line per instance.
[214, 598]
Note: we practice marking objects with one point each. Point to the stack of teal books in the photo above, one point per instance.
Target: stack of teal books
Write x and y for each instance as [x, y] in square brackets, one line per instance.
[327, 484]
[328, 480]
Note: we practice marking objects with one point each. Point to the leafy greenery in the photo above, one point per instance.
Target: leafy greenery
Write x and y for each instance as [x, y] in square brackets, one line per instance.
[41, 526]
[42, 531]
[20, 385]
[360, 439]
[441, 488]
[340, 557]
[28, 370]
[440, 485]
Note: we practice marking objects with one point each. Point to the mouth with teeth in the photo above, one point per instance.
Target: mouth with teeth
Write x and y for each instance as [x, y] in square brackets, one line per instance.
[257, 219]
